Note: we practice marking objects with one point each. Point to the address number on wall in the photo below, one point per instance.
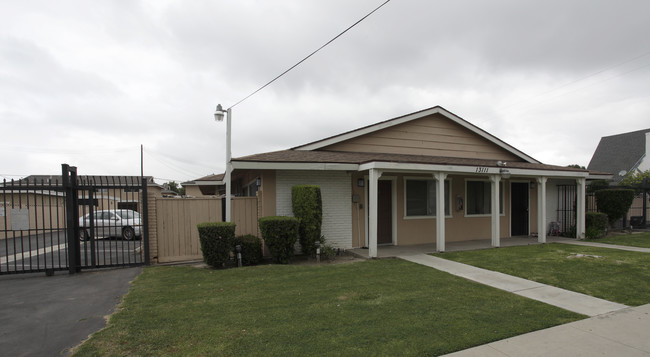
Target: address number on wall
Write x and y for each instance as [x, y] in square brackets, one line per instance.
[481, 170]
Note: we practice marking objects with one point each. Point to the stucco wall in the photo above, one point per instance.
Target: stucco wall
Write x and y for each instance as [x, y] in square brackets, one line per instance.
[337, 201]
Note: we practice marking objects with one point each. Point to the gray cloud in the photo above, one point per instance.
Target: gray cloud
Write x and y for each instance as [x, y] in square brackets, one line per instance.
[91, 81]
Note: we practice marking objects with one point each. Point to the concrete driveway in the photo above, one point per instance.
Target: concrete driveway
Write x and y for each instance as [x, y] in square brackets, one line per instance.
[47, 316]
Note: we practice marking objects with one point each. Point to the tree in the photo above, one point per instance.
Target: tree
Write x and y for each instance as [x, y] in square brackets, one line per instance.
[635, 178]
[173, 186]
[576, 166]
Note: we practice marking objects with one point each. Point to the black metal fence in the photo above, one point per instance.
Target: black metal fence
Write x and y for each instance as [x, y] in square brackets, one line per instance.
[566, 211]
[72, 223]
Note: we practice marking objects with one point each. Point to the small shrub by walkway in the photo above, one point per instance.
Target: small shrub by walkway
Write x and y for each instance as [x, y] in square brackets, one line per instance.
[385, 307]
[610, 274]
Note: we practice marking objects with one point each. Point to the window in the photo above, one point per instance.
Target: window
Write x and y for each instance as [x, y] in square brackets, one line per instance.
[251, 189]
[421, 197]
[479, 198]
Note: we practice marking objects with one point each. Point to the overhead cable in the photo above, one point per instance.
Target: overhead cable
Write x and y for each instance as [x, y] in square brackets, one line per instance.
[311, 54]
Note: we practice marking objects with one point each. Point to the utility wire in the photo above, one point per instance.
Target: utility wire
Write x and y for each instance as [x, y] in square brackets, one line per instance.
[311, 54]
[619, 64]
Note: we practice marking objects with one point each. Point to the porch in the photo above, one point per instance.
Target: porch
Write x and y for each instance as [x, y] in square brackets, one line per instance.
[393, 251]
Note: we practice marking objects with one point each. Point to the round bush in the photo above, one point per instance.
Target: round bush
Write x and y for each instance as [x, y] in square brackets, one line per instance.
[251, 249]
[595, 224]
[280, 235]
[614, 203]
[216, 240]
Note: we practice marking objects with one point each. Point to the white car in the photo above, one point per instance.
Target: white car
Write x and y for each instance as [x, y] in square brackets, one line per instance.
[123, 223]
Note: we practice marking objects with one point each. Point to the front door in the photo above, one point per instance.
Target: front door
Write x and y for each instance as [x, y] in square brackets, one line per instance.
[384, 212]
[519, 209]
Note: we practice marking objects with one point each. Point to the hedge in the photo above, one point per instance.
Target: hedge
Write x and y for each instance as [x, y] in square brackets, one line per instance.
[251, 249]
[307, 207]
[280, 235]
[614, 203]
[216, 240]
[595, 224]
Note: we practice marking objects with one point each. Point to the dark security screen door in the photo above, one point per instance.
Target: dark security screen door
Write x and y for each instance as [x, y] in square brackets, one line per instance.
[384, 212]
[519, 209]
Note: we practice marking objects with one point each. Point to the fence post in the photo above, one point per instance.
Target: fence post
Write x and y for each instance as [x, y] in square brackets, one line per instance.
[69, 182]
[645, 202]
[145, 224]
[223, 209]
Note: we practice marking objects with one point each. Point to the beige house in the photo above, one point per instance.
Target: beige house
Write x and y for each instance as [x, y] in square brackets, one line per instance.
[425, 177]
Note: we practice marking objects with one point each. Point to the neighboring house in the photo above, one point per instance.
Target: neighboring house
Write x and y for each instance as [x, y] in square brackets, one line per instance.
[425, 177]
[211, 185]
[622, 154]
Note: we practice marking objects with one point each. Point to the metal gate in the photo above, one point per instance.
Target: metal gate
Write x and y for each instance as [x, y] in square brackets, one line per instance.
[73, 223]
[566, 211]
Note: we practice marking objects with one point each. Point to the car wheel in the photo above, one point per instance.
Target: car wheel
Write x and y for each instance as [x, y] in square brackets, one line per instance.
[128, 233]
[83, 235]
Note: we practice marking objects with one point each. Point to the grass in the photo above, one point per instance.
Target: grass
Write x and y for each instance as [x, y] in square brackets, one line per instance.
[379, 307]
[613, 275]
[634, 240]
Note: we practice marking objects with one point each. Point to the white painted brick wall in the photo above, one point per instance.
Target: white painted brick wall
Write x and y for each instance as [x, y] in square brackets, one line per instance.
[336, 192]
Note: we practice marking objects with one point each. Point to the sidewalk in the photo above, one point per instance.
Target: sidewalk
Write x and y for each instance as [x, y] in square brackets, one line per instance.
[600, 245]
[622, 333]
[612, 330]
[568, 300]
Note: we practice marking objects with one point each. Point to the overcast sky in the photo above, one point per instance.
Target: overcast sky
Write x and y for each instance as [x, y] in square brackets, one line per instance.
[87, 82]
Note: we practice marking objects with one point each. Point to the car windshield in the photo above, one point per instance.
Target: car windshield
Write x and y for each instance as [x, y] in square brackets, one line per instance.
[129, 214]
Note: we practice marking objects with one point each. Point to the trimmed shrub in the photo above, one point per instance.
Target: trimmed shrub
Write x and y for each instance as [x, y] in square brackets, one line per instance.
[307, 207]
[597, 185]
[280, 235]
[251, 249]
[595, 224]
[614, 203]
[216, 242]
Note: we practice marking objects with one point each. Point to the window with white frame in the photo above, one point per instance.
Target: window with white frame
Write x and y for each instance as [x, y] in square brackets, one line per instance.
[479, 198]
[420, 197]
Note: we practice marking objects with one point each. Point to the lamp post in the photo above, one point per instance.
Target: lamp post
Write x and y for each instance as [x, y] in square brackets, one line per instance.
[218, 116]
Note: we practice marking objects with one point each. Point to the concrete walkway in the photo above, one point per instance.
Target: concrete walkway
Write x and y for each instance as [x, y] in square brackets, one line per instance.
[612, 330]
[622, 333]
[600, 245]
[568, 300]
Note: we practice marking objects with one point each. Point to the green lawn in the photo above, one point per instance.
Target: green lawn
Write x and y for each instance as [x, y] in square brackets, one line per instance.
[614, 275]
[378, 307]
[635, 240]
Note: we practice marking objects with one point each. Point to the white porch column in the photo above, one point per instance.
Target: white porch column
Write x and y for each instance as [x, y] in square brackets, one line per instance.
[496, 229]
[440, 210]
[373, 186]
[580, 207]
[541, 209]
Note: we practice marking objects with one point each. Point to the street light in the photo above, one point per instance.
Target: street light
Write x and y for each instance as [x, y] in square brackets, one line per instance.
[218, 116]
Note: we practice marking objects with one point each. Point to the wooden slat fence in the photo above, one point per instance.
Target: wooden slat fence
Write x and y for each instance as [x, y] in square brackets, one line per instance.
[176, 235]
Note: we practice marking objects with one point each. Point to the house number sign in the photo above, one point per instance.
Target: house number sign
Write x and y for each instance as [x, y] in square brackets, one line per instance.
[482, 170]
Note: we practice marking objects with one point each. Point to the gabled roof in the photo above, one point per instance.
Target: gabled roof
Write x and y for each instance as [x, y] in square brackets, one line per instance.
[324, 143]
[617, 153]
[206, 180]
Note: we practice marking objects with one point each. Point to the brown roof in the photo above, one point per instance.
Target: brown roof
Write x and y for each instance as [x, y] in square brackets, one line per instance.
[339, 157]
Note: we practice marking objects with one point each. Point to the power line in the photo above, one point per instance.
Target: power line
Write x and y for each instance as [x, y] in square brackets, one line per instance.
[602, 70]
[311, 54]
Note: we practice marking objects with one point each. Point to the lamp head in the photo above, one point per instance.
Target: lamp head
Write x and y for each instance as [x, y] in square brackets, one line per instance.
[219, 113]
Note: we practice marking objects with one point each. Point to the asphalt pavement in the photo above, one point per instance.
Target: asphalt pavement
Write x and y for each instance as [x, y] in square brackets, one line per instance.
[47, 316]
